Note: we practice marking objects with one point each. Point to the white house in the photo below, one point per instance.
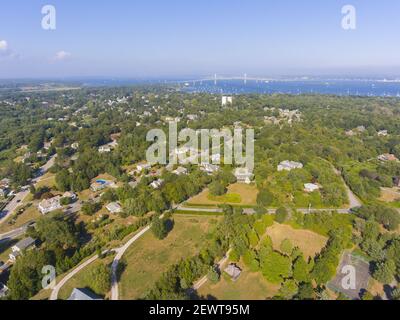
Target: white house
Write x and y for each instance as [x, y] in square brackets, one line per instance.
[75, 145]
[143, 166]
[192, 117]
[226, 100]
[289, 165]
[383, 133]
[310, 187]
[20, 247]
[114, 207]
[48, 205]
[243, 175]
[3, 290]
[209, 168]
[180, 170]
[387, 157]
[104, 149]
[157, 183]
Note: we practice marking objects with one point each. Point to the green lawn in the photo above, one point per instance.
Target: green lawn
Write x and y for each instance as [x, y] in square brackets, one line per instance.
[249, 286]
[149, 257]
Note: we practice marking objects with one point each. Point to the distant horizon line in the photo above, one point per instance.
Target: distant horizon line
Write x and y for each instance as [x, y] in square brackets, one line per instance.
[183, 78]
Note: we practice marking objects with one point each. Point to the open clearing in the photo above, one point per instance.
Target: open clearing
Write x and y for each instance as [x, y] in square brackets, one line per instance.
[30, 214]
[309, 243]
[149, 258]
[390, 194]
[238, 194]
[249, 286]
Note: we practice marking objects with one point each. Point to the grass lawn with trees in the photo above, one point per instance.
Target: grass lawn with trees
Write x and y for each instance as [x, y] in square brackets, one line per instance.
[149, 257]
[237, 194]
[249, 286]
[310, 243]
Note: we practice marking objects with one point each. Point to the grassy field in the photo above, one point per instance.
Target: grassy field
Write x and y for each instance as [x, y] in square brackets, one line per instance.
[48, 180]
[249, 286]
[149, 257]
[30, 214]
[238, 194]
[390, 194]
[309, 243]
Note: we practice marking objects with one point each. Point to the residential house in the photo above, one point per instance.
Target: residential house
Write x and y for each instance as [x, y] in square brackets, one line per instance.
[20, 247]
[310, 187]
[209, 168]
[143, 166]
[243, 175]
[387, 157]
[233, 271]
[114, 207]
[180, 170]
[3, 290]
[289, 165]
[100, 185]
[156, 184]
[82, 294]
[105, 148]
[382, 133]
[5, 183]
[48, 205]
[192, 117]
[226, 100]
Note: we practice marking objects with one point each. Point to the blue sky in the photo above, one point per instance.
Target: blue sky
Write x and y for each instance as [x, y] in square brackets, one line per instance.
[172, 38]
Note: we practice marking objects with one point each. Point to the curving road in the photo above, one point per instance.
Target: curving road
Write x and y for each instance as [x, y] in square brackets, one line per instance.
[114, 266]
[56, 289]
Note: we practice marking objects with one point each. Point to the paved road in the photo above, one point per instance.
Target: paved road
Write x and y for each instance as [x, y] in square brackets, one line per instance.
[14, 233]
[54, 293]
[20, 196]
[114, 266]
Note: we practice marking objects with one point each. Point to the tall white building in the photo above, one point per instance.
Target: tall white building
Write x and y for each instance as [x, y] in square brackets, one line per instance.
[226, 100]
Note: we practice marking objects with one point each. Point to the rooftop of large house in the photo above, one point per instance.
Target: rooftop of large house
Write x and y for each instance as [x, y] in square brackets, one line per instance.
[310, 187]
[114, 207]
[387, 157]
[180, 170]
[233, 271]
[157, 183]
[48, 205]
[210, 168]
[243, 175]
[23, 244]
[82, 294]
[288, 165]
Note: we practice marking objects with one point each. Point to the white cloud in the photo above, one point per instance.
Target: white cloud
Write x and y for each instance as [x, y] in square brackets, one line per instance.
[3, 45]
[62, 55]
